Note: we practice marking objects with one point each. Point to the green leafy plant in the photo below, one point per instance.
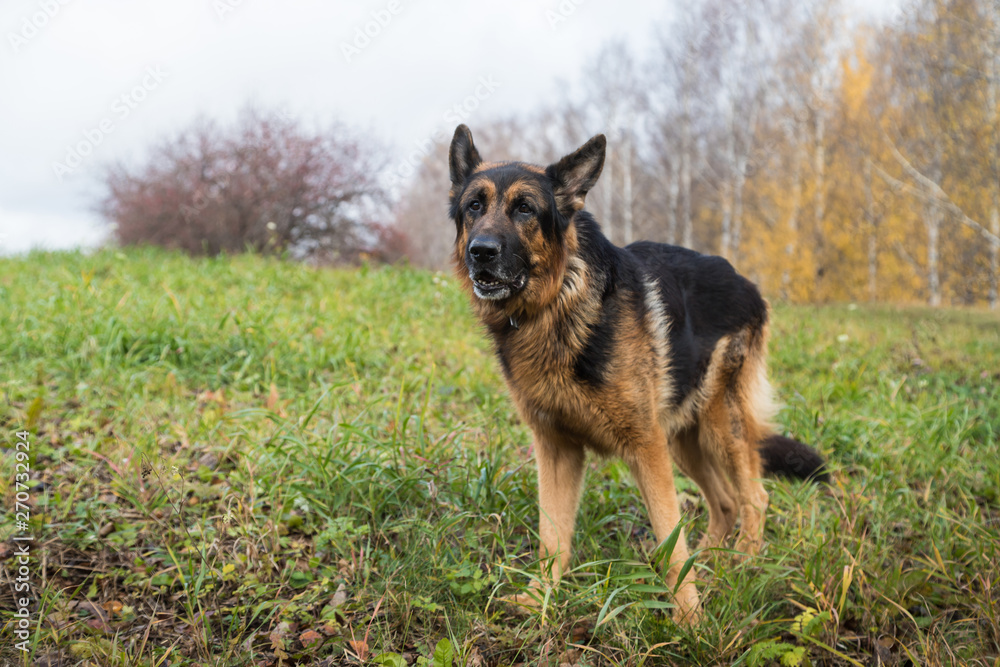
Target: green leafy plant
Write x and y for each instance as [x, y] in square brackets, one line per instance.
[443, 656]
[466, 579]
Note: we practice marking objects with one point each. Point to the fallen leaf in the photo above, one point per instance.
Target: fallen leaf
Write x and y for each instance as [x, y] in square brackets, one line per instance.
[112, 607]
[58, 620]
[311, 639]
[884, 655]
[49, 660]
[280, 633]
[360, 648]
[81, 650]
[339, 597]
[569, 657]
[98, 625]
[213, 397]
[582, 631]
[100, 620]
[273, 398]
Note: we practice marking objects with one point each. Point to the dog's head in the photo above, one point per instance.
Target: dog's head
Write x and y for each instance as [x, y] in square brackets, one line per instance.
[515, 221]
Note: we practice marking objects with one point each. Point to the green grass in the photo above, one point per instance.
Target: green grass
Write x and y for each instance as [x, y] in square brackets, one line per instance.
[248, 461]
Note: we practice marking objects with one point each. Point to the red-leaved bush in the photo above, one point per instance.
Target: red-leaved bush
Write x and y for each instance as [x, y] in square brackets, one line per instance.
[266, 184]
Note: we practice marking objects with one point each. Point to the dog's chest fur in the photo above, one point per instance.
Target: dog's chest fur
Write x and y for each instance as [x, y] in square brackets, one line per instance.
[592, 368]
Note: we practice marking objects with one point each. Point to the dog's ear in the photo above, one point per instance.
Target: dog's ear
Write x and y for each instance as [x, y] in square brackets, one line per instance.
[576, 174]
[463, 157]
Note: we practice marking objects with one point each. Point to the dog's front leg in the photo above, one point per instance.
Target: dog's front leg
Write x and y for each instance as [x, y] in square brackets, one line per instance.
[560, 479]
[653, 471]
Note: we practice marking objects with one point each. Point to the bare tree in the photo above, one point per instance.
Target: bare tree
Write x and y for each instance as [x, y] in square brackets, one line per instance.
[990, 50]
[422, 210]
[679, 73]
[614, 98]
[266, 184]
[742, 72]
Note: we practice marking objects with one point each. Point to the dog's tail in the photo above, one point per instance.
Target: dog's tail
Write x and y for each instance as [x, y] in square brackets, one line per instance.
[791, 458]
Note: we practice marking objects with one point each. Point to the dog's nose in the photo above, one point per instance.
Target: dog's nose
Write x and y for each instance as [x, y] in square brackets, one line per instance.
[484, 248]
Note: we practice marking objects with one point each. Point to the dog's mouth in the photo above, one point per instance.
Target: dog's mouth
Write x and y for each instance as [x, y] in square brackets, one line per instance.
[492, 288]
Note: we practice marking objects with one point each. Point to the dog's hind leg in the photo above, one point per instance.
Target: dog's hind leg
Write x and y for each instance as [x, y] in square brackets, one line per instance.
[652, 469]
[732, 422]
[704, 471]
[723, 431]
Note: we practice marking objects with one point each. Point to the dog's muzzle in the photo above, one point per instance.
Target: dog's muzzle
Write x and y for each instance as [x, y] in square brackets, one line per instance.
[489, 269]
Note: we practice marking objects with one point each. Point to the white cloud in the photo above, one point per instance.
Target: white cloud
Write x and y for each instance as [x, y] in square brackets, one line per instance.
[36, 229]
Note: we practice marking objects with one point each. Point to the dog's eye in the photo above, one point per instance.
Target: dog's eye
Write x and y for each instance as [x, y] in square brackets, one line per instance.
[524, 208]
[475, 206]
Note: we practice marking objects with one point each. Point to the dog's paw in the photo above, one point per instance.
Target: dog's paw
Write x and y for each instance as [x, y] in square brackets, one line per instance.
[688, 609]
[526, 601]
[530, 600]
[709, 542]
[522, 604]
[747, 548]
[687, 618]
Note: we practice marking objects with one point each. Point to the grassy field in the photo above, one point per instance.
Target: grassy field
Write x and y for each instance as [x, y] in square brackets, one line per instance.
[244, 461]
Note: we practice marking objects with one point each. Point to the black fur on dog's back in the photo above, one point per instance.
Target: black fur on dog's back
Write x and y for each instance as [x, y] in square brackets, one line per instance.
[705, 299]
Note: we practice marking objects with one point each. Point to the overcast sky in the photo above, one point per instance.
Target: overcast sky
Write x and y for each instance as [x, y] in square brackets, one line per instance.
[88, 82]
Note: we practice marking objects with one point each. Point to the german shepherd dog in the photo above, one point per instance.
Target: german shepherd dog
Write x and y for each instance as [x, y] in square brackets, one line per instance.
[651, 352]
